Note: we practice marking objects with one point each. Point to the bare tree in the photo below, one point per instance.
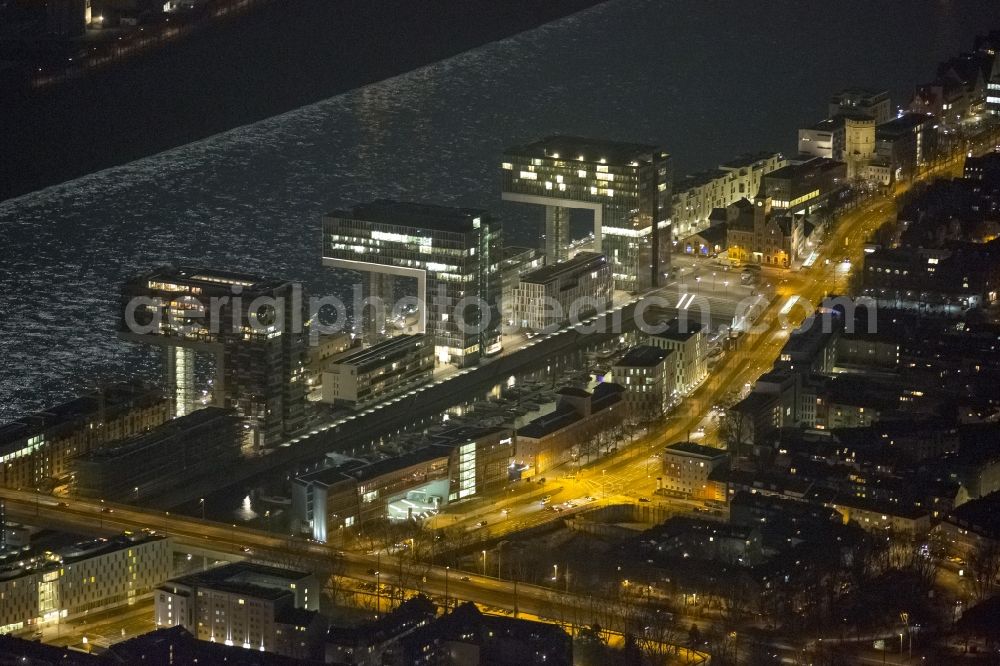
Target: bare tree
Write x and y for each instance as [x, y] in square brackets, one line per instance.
[984, 567]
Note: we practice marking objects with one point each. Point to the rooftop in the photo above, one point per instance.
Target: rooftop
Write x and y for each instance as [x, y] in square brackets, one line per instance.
[691, 448]
[252, 579]
[210, 277]
[416, 215]
[901, 126]
[643, 356]
[590, 150]
[379, 351]
[749, 159]
[583, 261]
[679, 330]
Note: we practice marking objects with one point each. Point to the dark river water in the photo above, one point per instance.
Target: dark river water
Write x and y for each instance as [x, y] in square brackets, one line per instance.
[706, 80]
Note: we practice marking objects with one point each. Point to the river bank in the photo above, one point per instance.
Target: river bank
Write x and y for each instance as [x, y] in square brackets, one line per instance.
[278, 57]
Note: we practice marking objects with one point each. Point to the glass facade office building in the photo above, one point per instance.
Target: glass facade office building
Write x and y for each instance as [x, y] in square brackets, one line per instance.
[627, 186]
[454, 254]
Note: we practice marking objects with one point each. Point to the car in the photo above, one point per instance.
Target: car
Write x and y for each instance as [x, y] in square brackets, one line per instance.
[481, 523]
[107, 509]
[63, 504]
[372, 572]
[246, 549]
[545, 500]
[643, 499]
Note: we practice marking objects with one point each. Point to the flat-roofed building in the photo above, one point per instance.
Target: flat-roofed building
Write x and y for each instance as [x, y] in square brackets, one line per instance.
[686, 470]
[649, 375]
[365, 376]
[686, 340]
[204, 442]
[548, 441]
[516, 262]
[47, 586]
[907, 143]
[564, 292]
[37, 450]
[804, 186]
[627, 186]
[251, 326]
[453, 254]
[255, 606]
[873, 104]
[449, 466]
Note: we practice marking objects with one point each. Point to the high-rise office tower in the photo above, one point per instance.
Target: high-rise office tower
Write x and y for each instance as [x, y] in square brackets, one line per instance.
[252, 327]
[453, 254]
[627, 186]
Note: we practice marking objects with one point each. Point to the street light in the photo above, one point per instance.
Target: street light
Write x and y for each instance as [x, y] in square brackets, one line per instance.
[202, 502]
[484, 562]
[555, 572]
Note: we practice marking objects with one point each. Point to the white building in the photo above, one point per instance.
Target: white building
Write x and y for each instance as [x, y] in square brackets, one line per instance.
[698, 194]
[564, 292]
[49, 586]
[649, 376]
[686, 340]
[250, 605]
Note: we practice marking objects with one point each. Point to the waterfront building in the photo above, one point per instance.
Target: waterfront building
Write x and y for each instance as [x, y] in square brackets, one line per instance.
[359, 378]
[548, 441]
[758, 235]
[259, 607]
[872, 104]
[649, 375]
[697, 195]
[907, 144]
[516, 262]
[453, 254]
[687, 341]
[41, 587]
[204, 442]
[627, 187]
[804, 186]
[563, 292]
[450, 466]
[37, 450]
[252, 327]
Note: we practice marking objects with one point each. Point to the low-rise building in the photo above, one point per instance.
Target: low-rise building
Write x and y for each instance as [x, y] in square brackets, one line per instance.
[686, 340]
[874, 516]
[649, 375]
[44, 587]
[204, 442]
[468, 637]
[258, 607]
[360, 378]
[697, 195]
[804, 186]
[516, 262]
[451, 465]
[548, 440]
[907, 143]
[376, 643]
[758, 235]
[564, 292]
[686, 470]
[37, 450]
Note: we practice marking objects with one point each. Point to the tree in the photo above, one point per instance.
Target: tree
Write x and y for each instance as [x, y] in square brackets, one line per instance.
[984, 567]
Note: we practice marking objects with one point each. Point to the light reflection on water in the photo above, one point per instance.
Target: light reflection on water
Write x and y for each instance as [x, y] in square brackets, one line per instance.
[707, 80]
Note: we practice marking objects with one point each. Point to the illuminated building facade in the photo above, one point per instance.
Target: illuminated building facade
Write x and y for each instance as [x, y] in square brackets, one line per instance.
[627, 187]
[37, 450]
[454, 254]
[49, 586]
[757, 235]
[563, 292]
[253, 328]
[359, 378]
[251, 605]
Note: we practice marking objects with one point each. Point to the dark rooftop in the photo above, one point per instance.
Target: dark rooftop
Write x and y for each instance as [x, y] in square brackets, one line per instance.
[416, 215]
[748, 159]
[583, 261]
[210, 277]
[643, 356]
[676, 331]
[592, 150]
[697, 449]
